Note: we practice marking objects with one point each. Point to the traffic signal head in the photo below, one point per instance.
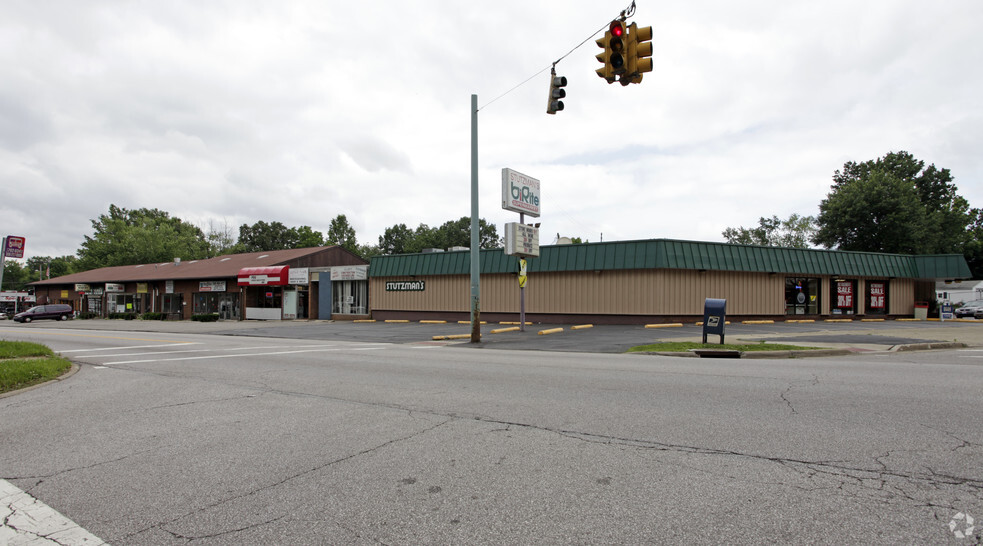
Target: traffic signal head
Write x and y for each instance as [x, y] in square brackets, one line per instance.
[639, 54]
[553, 102]
[613, 56]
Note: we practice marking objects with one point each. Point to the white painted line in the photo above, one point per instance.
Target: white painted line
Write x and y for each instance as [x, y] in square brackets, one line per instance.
[133, 347]
[331, 349]
[26, 520]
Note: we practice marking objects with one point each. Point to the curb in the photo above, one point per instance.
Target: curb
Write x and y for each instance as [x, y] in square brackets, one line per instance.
[819, 352]
[71, 371]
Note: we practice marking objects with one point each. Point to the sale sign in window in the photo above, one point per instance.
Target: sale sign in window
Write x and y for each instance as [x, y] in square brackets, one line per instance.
[844, 295]
[878, 294]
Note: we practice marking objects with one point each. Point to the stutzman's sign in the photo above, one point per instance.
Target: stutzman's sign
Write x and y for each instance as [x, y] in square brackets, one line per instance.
[405, 286]
[520, 193]
[115, 287]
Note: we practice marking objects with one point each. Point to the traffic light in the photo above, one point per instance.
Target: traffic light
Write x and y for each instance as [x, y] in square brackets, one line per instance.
[639, 54]
[553, 102]
[613, 56]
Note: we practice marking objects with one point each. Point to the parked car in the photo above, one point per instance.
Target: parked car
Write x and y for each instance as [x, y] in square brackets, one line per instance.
[969, 309]
[3, 316]
[978, 314]
[56, 311]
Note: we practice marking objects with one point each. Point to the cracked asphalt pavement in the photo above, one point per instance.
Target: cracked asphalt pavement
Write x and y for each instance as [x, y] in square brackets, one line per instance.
[177, 438]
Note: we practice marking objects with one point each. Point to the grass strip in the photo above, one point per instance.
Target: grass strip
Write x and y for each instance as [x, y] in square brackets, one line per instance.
[683, 346]
[24, 364]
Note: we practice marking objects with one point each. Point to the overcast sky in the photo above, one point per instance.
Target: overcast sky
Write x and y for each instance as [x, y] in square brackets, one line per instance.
[230, 112]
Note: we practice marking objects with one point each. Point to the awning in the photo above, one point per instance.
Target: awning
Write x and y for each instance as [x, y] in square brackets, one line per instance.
[276, 275]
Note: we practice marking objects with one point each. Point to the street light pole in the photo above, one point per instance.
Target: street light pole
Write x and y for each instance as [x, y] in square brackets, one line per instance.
[475, 250]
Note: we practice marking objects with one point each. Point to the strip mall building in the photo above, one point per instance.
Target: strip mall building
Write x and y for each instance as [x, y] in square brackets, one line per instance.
[660, 281]
[627, 282]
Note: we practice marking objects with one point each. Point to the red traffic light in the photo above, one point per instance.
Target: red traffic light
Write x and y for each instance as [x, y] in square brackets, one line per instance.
[617, 29]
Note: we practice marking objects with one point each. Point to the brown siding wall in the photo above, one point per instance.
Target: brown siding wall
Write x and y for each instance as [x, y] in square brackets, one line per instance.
[634, 292]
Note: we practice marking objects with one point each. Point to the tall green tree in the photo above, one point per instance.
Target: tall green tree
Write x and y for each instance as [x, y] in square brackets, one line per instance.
[140, 236]
[395, 239]
[341, 233]
[973, 251]
[306, 237]
[893, 204]
[793, 232]
[263, 236]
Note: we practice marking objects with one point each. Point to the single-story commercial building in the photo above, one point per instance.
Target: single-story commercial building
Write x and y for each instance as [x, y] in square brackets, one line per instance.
[319, 282]
[660, 280]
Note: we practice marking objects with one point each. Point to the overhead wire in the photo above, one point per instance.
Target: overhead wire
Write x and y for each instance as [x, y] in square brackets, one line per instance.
[627, 12]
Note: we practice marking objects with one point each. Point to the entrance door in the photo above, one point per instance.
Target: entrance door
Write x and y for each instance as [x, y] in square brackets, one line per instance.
[228, 307]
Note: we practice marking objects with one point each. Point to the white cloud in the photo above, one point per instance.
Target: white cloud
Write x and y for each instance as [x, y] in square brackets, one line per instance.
[240, 111]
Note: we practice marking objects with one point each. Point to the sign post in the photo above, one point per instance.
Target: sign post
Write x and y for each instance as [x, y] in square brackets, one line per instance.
[520, 193]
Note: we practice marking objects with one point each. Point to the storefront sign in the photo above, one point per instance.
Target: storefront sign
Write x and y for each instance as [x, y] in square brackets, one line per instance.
[211, 286]
[520, 193]
[844, 294]
[115, 287]
[405, 286]
[81, 287]
[14, 247]
[350, 273]
[12, 296]
[521, 240]
[298, 275]
[877, 295]
[64, 294]
[142, 288]
[168, 287]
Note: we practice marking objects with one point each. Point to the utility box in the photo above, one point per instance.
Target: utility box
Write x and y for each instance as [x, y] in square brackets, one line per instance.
[714, 318]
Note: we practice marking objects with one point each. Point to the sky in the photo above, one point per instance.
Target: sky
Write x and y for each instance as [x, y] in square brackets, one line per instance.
[225, 113]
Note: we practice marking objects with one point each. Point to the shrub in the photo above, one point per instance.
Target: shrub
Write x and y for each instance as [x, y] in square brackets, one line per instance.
[210, 317]
[153, 316]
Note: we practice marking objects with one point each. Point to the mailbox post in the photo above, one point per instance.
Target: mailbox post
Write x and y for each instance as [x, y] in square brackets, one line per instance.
[714, 318]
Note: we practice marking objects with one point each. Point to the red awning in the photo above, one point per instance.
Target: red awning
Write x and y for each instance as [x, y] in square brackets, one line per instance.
[276, 275]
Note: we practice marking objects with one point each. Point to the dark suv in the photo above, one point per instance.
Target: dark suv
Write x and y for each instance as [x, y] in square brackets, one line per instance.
[59, 311]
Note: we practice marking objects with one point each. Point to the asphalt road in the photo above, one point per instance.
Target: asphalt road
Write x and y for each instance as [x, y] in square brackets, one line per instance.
[175, 438]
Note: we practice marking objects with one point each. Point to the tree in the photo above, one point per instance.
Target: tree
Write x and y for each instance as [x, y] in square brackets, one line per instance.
[341, 233]
[127, 237]
[263, 236]
[973, 251]
[793, 232]
[306, 237]
[893, 204]
[396, 239]
[220, 240]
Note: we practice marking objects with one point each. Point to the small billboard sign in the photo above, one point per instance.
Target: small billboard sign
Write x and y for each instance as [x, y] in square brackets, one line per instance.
[520, 193]
[13, 247]
[521, 240]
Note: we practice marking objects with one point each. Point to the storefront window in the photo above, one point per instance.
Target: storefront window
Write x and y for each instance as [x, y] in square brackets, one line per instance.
[844, 301]
[801, 296]
[270, 297]
[876, 297]
[349, 297]
[171, 303]
[126, 303]
[226, 305]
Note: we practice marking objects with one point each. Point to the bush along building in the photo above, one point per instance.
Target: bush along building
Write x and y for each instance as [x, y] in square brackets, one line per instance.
[660, 280]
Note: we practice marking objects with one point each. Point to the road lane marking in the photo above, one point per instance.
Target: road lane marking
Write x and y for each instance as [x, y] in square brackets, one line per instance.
[128, 348]
[208, 357]
[45, 332]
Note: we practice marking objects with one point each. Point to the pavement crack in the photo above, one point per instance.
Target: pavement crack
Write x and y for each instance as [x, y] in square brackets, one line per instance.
[162, 525]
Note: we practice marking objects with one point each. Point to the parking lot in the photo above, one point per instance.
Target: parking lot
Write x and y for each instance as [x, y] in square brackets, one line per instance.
[855, 336]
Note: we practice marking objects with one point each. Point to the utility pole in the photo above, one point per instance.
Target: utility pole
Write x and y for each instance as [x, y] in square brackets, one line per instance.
[475, 250]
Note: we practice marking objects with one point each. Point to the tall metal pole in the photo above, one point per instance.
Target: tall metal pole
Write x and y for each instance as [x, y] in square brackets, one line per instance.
[475, 251]
[3, 256]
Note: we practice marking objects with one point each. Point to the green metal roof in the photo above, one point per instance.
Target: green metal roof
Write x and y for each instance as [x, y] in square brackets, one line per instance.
[672, 254]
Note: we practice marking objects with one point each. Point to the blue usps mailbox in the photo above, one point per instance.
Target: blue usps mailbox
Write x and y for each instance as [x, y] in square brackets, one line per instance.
[714, 318]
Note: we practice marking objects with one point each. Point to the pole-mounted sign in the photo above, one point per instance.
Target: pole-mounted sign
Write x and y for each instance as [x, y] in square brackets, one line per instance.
[520, 193]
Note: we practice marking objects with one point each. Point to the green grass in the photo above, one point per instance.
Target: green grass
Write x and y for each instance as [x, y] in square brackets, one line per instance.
[683, 346]
[24, 364]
